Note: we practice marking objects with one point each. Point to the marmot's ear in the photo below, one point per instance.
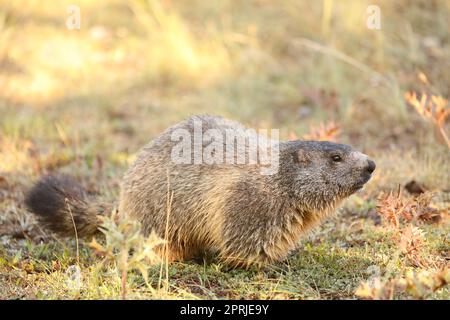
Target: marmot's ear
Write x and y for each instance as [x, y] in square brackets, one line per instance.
[302, 156]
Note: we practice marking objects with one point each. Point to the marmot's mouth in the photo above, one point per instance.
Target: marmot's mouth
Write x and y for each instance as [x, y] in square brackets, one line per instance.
[360, 185]
[356, 187]
[366, 178]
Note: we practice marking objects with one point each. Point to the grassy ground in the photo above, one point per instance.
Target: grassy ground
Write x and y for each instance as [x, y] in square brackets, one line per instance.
[82, 102]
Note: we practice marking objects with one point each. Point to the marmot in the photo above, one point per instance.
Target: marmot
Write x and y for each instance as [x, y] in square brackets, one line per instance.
[233, 209]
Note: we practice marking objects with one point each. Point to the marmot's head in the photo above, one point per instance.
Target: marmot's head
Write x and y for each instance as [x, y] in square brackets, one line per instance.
[323, 172]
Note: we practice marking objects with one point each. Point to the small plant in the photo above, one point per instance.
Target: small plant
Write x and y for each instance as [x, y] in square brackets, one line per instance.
[395, 208]
[127, 247]
[411, 243]
[376, 290]
[417, 285]
[402, 213]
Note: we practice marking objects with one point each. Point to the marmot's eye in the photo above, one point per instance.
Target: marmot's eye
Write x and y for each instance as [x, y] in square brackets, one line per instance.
[336, 158]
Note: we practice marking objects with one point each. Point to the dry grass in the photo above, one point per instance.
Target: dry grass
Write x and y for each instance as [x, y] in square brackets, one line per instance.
[83, 102]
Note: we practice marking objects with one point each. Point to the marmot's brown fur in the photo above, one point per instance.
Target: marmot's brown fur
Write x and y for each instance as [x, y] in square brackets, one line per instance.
[245, 216]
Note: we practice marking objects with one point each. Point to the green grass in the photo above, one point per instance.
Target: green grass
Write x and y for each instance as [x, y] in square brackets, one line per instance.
[83, 103]
[330, 264]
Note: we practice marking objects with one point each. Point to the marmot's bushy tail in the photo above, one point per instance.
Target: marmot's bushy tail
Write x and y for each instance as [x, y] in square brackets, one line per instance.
[61, 205]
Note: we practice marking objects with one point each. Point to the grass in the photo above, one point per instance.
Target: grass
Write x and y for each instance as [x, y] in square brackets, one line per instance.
[83, 102]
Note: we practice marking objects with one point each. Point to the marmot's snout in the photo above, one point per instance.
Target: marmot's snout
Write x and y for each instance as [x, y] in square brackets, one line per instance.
[363, 167]
[368, 170]
[371, 166]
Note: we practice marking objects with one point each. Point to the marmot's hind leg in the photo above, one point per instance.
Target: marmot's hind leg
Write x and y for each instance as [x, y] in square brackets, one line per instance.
[170, 253]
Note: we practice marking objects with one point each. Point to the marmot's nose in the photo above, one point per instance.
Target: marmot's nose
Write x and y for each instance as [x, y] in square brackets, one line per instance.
[370, 166]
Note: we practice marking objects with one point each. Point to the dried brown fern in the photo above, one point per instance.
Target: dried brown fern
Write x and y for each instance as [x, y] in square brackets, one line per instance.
[395, 208]
[433, 108]
[323, 132]
[411, 243]
[403, 213]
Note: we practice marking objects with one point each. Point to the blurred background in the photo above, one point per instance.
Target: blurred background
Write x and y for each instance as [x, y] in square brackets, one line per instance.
[83, 99]
[85, 84]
